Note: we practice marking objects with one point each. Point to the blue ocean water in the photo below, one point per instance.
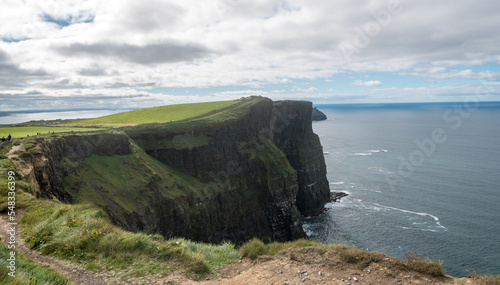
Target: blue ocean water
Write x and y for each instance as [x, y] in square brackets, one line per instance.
[420, 177]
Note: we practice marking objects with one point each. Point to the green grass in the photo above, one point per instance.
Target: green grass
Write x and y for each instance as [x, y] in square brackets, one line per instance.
[162, 114]
[83, 233]
[127, 180]
[27, 271]
[255, 247]
[22, 132]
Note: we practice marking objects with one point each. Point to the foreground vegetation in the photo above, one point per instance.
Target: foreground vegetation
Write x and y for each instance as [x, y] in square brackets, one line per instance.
[27, 271]
[348, 254]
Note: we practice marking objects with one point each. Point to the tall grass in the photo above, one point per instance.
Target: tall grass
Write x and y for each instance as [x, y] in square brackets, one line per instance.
[27, 271]
[85, 234]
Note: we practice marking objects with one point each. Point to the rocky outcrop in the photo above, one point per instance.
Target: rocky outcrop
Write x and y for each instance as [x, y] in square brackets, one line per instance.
[317, 115]
[251, 175]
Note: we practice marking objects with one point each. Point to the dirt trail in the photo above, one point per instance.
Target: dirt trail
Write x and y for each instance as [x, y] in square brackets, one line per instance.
[76, 274]
[14, 148]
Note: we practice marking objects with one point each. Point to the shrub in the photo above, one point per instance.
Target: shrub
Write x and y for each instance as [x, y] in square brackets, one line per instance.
[253, 249]
[423, 265]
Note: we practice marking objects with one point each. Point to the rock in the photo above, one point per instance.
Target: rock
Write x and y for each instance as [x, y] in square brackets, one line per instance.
[317, 115]
[238, 272]
[355, 279]
[398, 280]
[336, 196]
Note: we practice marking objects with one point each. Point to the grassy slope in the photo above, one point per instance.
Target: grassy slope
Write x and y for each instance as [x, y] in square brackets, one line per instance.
[21, 132]
[126, 179]
[163, 114]
[144, 138]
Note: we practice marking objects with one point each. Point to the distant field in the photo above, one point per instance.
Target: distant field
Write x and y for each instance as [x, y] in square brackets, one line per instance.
[162, 114]
[20, 132]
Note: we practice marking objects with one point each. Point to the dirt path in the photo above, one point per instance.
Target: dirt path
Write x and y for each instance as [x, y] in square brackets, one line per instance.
[76, 274]
[14, 148]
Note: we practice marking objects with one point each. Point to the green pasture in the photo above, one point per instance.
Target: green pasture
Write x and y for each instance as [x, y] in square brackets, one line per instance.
[162, 114]
[21, 132]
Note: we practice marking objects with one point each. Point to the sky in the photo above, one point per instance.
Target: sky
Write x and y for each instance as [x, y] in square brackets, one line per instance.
[94, 54]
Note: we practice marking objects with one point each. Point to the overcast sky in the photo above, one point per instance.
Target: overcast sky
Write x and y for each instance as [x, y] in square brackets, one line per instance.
[64, 54]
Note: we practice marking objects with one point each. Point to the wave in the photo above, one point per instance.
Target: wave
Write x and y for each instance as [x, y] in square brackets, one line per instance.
[362, 153]
[436, 219]
[337, 183]
[423, 230]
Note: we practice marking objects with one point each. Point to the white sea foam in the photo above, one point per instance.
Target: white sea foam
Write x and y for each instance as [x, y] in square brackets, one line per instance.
[337, 183]
[436, 219]
[362, 153]
[378, 150]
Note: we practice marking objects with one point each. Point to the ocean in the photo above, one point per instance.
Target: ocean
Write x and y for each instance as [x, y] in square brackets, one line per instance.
[421, 178]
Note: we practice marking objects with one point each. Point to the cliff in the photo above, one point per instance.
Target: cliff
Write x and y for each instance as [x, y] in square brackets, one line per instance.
[317, 115]
[248, 171]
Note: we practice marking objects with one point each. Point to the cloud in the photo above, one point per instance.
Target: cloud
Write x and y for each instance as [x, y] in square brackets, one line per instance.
[148, 54]
[62, 46]
[367, 83]
[12, 76]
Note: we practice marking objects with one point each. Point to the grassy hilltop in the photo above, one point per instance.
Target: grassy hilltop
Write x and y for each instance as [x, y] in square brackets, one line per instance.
[162, 114]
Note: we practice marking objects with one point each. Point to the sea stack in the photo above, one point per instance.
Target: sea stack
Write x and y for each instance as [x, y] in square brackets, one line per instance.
[317, 115]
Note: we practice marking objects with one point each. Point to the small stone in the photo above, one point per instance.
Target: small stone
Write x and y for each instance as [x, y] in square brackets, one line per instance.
[238, 272]
[408, 276]
[398, 280]
[305, 274]
[207, 279]
[319, 273]
[355, 279]
[349, 278]
[369, 271]
[362, 275]
[303, 280]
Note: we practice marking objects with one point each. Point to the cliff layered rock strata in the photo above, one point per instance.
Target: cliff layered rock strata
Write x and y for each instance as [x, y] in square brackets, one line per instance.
[246, 172]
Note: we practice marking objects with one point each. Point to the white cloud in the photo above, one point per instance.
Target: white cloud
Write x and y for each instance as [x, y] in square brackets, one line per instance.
[163, 43]
[367, 83]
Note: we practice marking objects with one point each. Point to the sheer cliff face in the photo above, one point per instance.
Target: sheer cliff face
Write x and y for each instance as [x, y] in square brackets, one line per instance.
[293, 134]
[249, 176]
